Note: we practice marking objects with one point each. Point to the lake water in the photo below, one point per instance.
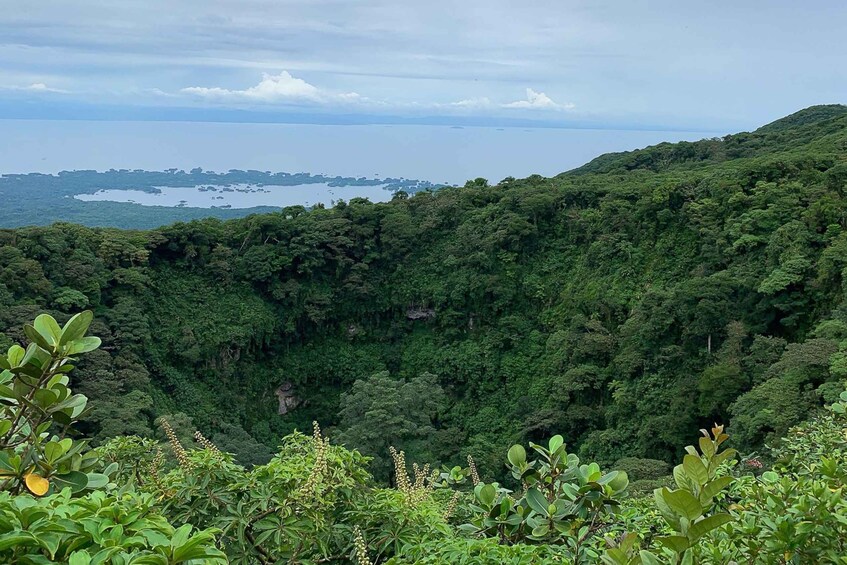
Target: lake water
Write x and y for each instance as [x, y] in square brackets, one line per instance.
[242, 195]
[439, 154]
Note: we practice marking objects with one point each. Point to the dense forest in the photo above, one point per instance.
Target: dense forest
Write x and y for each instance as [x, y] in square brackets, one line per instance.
[621, 306]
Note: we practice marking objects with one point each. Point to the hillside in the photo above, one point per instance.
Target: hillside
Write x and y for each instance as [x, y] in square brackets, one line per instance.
[623, 305]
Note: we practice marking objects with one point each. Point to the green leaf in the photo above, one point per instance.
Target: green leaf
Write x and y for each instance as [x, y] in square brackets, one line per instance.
[714, 487]
[648, 558]
[695, 469]
[770, 477]
[47, 327]
[9, 465]
[97, 480]
[75, 480]
[76, 327]
[707, 446]
[706, 525]
[53, 450]
[13, 539]
[677, 544]
[35, 336]
[537, 501]
[15, 355]
[486, 494]
[680, 477]
[103, 556]
[516, 455]
[180, 536]
[683, 503]
[555, 443]
[44, 397]
[721, 457]
[31, 353]
[540, 531]
[81, 557]
[196, 548]
[617, 480]
[84, 345]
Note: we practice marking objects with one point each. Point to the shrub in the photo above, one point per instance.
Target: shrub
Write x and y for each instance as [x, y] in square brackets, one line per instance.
[123, 529]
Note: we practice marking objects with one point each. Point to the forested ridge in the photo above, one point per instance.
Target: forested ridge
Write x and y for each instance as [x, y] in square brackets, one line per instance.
[623, 305]
[600, 318]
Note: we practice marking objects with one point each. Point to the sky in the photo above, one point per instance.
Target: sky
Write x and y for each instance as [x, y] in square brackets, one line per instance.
[716, 65]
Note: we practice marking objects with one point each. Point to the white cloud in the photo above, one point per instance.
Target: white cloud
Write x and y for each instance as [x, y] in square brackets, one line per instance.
[472, 104]
[284, 88]
[275, 88]
[36, 87]
[538, 101]
[534, 101]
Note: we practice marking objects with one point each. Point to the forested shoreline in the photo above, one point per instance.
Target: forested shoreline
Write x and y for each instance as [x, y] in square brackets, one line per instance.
[41, 199]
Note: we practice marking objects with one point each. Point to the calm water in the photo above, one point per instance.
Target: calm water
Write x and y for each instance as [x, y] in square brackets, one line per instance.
[242, 195]
[438, 154]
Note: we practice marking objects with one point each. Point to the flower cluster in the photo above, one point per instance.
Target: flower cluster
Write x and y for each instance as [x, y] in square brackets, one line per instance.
[176, 446]
[319, 469]
[205, 443]
[401, 477]
[754, 463]
[474, 473]
[424, 480]
[451, 506]
[361, 548]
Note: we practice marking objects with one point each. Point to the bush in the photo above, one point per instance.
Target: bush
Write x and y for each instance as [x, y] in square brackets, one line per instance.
[97, 528]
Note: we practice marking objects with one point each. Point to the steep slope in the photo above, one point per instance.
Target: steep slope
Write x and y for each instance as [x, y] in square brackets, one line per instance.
[623, 304]
[794, 132]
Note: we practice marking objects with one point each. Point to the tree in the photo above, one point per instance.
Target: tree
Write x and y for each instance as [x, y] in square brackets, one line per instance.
[381, 412]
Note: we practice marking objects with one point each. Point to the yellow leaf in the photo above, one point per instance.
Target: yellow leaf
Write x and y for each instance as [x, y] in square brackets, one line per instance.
[36, 484]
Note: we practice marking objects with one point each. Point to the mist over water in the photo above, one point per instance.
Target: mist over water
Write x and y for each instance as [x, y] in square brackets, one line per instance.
[439, 154]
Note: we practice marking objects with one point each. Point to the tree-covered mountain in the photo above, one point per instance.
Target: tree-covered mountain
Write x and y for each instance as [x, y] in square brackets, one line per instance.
[624, 305]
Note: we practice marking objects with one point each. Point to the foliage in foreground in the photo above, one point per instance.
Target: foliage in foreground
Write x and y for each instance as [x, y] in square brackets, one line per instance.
[128, 503]
[53, 506]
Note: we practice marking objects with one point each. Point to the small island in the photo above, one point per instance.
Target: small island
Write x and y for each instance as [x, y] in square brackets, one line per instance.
[77, 196]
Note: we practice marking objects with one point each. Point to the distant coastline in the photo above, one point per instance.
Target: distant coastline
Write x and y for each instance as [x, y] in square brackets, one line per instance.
[140, 199]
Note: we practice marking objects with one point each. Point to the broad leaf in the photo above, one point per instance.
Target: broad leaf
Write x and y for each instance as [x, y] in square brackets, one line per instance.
[677, 544]
[706, 525]
[695, 469]
[517, 455]
[683, 503]
[537, 501]
[76, 327]
[75, 480]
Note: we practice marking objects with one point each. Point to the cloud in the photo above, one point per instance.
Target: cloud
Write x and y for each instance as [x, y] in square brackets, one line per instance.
[36, 87]
[538, 101]
[274, 89]
[534, 101]
[482, 103]
[286, 89]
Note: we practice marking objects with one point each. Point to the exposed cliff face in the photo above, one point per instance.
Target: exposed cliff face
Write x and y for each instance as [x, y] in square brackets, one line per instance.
[418, 313]
[288, 401]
